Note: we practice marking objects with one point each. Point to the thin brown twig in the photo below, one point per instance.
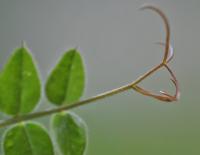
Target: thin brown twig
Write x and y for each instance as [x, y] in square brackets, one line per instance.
[168, 56]
[133, 85]
[167, 27]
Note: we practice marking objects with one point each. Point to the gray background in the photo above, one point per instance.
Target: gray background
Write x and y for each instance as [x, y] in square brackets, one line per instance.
[116, 42]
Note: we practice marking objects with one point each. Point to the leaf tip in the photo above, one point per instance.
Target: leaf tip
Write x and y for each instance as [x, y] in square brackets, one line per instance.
[23, 44]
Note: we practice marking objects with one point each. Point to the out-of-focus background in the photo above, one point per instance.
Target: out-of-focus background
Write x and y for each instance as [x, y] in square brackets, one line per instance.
[117, 44]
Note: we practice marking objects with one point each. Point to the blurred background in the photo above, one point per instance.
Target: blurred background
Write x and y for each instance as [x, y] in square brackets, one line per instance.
[117, 44]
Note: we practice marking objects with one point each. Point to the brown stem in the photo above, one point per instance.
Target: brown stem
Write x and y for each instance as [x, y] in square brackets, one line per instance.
[132, 85]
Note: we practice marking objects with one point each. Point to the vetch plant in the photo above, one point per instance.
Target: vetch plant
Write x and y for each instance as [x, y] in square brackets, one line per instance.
[20, 91]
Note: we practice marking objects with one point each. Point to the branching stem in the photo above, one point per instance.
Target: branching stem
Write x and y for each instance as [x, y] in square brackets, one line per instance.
[80, 103]
[132, 85]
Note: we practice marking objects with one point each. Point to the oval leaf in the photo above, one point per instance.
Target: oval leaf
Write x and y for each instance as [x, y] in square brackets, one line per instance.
[70, 133]
[66, 82]
[27, 139]
[19, 84]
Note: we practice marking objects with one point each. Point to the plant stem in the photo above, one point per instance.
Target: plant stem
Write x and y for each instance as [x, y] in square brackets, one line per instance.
[124, 88]
[105, 94]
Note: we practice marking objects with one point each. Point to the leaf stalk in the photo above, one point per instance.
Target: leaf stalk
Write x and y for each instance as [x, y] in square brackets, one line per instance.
[133, 85]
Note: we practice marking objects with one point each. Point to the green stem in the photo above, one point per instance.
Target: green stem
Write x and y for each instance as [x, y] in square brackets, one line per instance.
[124, 88]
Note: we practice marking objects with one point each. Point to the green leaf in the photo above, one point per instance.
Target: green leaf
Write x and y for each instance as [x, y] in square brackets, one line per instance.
[19, 84]
[70, 133]
[66, 82]
[27, 139]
